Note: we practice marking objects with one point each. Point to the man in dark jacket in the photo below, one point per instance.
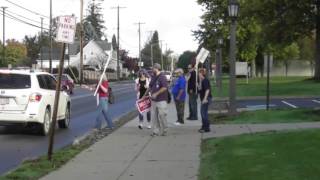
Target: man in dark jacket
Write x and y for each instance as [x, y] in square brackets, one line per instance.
[193, 105]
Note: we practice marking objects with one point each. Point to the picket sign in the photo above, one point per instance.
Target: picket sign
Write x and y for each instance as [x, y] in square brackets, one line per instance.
[201, 57]
[143, 105]
[103, 73]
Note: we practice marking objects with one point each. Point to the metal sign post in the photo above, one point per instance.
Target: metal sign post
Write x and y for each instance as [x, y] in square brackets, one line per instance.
[65, 34]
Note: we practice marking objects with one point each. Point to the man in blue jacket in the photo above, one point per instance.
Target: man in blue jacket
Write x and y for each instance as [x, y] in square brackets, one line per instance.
[179, 95]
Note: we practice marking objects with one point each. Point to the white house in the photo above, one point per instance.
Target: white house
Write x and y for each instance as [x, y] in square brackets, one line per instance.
[95, 54]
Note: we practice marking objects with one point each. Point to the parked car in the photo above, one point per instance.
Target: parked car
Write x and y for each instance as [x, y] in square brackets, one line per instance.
[168, 75]
[67, 83]
[27, 98]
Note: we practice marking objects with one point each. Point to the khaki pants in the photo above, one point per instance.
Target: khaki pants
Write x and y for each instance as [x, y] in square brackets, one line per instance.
[159, 117]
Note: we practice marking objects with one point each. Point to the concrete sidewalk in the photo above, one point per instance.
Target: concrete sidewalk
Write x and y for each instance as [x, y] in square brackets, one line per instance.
[132, 154]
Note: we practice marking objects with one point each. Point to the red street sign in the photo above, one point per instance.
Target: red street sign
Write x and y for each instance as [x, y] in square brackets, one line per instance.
[144, 104]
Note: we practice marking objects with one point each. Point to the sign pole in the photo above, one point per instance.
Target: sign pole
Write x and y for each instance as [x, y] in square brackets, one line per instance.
[56, 103]
[65, 34]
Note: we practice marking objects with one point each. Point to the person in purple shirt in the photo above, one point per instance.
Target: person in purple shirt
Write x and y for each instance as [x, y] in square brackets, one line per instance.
[179, 95]
[159, 96]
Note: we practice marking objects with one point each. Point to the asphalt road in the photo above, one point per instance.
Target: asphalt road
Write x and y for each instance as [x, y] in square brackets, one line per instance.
[17, 143]
[290, 103]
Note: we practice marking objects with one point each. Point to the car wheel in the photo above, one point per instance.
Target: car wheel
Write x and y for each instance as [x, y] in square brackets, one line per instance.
[45, 126]
[64, 124]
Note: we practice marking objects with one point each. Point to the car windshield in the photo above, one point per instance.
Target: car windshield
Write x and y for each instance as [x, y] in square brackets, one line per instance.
[14, 81]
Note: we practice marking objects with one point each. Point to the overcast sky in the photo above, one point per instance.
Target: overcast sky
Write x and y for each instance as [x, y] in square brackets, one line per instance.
[174, 20]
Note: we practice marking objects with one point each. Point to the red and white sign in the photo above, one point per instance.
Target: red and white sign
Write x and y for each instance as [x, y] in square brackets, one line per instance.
[66, 29]
[144, 105]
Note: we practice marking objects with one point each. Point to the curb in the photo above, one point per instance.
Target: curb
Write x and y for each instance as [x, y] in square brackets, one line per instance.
[264, 97]
[128, 116]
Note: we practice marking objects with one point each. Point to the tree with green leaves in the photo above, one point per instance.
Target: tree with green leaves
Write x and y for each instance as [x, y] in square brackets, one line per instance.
[16, 53]
[185, 59]
[156, 51]
[93, 23]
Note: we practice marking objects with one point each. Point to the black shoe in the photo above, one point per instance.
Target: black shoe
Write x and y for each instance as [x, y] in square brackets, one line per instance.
[204, 131]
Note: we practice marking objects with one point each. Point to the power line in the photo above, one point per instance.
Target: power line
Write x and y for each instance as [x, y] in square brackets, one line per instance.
[22, 21]
[21, 16]
[33, 12]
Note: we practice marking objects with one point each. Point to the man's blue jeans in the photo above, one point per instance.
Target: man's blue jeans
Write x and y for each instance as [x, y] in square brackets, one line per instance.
[103, 113]
[204, 115]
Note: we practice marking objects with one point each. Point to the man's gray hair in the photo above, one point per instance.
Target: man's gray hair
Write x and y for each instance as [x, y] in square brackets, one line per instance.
[179, 70]
[157, 66]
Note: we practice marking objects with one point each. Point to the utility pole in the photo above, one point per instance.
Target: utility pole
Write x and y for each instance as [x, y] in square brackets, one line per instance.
[81, 43]
[41, 40]
[118, 41]
[4, 35]
[50, 36]
[139, 30]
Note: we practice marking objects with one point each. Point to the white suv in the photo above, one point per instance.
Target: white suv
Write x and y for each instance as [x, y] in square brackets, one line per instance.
[27, 97]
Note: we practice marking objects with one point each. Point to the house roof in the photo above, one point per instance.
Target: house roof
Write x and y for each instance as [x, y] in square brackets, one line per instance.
[74, 48]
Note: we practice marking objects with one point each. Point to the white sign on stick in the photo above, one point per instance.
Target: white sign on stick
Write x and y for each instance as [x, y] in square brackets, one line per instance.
[66, 29]
[103, 73]
[242, 68]
[202, 56]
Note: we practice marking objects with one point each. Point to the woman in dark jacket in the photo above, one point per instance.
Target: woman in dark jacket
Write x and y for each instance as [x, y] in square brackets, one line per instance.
[205, 97]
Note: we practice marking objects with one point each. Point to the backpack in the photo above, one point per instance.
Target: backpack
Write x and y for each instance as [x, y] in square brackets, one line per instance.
[111, 98]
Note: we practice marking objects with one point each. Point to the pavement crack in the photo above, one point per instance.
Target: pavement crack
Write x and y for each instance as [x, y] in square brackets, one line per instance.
[135, 158]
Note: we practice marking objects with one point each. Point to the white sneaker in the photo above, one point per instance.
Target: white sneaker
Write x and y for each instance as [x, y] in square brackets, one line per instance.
[177, 123]
[149, 126]
[140, 126]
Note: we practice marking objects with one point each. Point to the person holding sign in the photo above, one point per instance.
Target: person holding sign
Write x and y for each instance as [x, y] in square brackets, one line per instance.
[142, 84]
[159, 96]
[102, 101]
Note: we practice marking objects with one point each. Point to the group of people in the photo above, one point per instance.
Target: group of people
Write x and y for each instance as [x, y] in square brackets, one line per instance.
[156, 87]
[182, 86]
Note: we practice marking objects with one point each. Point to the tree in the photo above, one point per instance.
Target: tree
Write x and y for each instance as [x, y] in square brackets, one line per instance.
[33, 49]
[114, 42]
[16, 52]
[93, 23]
[185, 59]
[156, 51]
[307, 50]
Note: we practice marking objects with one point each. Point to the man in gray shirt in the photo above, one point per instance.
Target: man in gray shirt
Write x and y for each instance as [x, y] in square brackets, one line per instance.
[159, 95]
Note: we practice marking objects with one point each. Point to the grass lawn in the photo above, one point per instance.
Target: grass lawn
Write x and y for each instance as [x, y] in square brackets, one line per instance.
[279, 86]
[34, 169]
[272, 116]
[268, 156]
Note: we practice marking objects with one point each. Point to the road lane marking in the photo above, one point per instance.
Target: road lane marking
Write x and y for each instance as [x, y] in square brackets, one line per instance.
[291, 105]
[316, 101]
